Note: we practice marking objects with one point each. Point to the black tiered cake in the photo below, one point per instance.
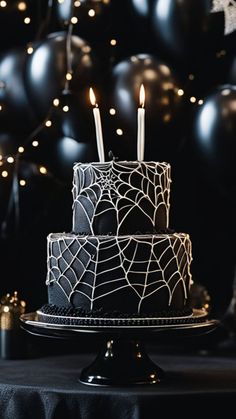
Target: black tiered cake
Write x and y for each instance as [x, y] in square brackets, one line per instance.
[121, 265]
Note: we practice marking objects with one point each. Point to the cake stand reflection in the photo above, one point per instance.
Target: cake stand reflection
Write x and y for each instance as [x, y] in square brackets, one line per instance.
[122, 359]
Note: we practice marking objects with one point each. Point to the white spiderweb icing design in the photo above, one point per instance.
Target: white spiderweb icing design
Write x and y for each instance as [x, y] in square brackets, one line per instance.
[144, 264]
[119, 191]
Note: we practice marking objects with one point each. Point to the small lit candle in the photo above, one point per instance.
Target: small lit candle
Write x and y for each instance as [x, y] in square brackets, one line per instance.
[141, 125]
[98, 125]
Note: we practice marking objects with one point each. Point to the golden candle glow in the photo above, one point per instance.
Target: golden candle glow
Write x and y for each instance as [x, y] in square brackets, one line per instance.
[142, 96]
[92, 97]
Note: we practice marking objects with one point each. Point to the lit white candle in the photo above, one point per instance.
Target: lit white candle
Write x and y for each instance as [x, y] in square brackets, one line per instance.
[98, 125]
[141, 125]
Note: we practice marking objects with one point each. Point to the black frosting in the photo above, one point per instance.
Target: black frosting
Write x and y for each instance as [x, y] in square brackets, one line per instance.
[130, 274]
[52, 309]
[121, 197]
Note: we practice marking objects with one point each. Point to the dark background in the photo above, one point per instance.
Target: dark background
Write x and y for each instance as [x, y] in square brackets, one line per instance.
[179, 51]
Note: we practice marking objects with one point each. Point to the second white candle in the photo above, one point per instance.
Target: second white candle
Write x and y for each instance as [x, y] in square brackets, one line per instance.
[141, 126]
[98, 126]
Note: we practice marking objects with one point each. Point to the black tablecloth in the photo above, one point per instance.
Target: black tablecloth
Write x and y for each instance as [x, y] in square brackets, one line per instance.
[48, 388]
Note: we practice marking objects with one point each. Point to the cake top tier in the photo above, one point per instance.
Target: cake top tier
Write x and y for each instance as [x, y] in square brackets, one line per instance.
[121, 197]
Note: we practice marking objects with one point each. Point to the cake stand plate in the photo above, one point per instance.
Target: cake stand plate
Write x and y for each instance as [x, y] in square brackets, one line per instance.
[122, 359]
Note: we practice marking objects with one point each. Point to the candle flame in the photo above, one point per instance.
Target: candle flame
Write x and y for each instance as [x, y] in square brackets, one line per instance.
[142, 96]
[92, 97]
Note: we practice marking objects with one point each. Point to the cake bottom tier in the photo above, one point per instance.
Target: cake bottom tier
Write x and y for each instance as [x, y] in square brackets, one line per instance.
[119, 276]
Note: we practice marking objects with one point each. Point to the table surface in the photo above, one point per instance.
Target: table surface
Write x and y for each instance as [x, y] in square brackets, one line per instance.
[47, 387]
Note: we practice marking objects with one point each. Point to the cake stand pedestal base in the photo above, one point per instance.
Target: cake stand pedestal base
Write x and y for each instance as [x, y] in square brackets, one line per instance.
[122, 362]
[122, 359]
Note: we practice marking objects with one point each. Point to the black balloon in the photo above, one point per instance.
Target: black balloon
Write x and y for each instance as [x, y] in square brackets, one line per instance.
[214, 141]
[209, 174]
[13, 97]
[67, 151]
[9, 144]
[162, 103]
[142, 8]
[187, 30]
[58, 153]
[73, 116]
[48, 65]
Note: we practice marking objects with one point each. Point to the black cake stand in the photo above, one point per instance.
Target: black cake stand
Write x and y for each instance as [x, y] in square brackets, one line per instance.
[123, 359]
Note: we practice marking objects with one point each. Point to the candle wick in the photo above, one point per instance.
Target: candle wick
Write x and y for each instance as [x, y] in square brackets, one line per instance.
[111, 156]
[96, 105]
